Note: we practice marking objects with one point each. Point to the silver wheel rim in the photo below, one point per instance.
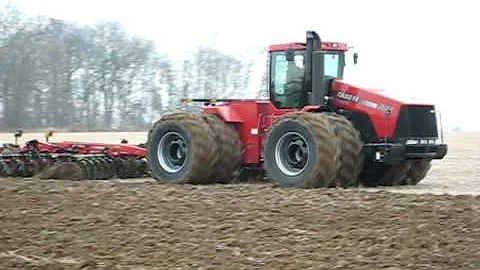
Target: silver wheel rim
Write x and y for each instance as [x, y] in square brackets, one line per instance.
[291, 153]
[172, 152]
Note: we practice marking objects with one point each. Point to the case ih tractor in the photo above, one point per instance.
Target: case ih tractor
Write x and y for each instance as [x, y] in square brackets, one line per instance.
[315, 130]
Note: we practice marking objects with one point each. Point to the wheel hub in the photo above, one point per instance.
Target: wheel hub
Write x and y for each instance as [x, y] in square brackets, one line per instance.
[291, 153]
[172, 152]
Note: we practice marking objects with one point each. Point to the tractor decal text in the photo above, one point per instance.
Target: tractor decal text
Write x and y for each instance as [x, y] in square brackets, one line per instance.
[366, 103]
[347, 97]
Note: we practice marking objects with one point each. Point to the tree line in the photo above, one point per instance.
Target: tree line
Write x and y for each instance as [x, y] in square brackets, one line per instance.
[58, 74]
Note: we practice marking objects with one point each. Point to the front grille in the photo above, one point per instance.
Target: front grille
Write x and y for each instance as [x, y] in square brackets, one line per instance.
[416, 121]
[421, 149]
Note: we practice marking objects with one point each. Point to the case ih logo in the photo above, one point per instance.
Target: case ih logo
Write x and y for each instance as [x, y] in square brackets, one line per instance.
[348, 97]
[366, 103]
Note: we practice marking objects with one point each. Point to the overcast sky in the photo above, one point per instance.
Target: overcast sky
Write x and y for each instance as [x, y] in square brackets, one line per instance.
[422, 49]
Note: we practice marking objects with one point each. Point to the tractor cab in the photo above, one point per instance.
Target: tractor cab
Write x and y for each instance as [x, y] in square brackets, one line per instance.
[297, 71]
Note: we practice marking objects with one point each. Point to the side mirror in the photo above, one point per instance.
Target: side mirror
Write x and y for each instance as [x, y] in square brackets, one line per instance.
[355, 58]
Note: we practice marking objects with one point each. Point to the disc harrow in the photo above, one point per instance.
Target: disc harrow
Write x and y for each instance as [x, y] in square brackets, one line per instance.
[73, 160]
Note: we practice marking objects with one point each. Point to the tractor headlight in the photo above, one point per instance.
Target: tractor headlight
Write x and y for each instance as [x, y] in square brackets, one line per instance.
[410, 142]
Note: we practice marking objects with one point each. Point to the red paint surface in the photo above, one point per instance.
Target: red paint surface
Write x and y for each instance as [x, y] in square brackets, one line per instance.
[248, 115]
[384, 124]
[110, 149]
[113, 150]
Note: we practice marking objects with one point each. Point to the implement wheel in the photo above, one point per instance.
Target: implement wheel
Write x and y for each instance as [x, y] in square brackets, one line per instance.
[181, 149]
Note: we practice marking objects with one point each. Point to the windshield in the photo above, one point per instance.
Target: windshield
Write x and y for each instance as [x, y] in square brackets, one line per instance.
[334, 64]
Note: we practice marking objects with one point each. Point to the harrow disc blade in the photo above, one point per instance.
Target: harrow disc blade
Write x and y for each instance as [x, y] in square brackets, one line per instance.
[131, 168]
[110, 168]
[139, 168]
[10, 169]
[120, 168]
[2, 169]
[25, 169]
[89, 168]
[84, 168]
[143, 167]
[41, 165]
[97, 170]
[68, 170]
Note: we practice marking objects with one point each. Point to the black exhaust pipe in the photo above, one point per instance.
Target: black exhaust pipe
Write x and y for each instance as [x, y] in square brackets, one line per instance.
[312, 45]
[314, 70]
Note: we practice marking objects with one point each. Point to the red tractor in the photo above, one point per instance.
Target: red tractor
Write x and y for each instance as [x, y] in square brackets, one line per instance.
[314, 131]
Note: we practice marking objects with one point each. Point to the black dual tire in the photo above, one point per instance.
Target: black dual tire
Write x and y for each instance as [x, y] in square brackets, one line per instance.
[190, 142]
[301, 150]
[394, 175]
[418, 171]
[350, 145]
[210, 149]
[229, 150]
[406, 173]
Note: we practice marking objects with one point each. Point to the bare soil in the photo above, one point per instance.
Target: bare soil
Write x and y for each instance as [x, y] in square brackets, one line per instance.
[139, 224]
[108, 225]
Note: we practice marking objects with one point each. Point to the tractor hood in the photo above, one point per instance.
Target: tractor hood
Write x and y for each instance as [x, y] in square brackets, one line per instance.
[377, 95]
[401, 96]
[382, 107]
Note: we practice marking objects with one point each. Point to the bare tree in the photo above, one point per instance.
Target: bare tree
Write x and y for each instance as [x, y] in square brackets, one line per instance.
[59, 74]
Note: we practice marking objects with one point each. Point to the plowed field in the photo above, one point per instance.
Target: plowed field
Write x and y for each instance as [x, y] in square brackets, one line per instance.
[144, 225]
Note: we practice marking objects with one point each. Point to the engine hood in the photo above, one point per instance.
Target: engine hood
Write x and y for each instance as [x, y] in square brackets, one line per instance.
[402, 97]
[382, 107]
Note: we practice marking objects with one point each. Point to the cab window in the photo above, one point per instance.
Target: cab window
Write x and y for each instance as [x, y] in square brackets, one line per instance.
[280, 74]
[333, 65]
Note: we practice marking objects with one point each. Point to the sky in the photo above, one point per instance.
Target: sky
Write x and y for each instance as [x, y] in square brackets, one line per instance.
[424, 51]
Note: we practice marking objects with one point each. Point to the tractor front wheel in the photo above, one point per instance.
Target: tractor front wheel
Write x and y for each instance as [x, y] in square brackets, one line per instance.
[418, 171]
[301, 150]
[350, 146]
[394, 175]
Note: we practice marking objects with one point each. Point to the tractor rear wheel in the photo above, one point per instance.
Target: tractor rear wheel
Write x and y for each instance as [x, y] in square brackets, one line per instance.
[350, 146]
[301, 150]
[181, 149]
[418, 172]
[229, 149]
